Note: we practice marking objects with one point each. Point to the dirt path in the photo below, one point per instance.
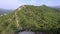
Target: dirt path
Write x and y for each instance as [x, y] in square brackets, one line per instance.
[17, 21]
[17, 18]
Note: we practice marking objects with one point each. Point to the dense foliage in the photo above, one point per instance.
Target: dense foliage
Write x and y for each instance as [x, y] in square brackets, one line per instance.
[35, 18]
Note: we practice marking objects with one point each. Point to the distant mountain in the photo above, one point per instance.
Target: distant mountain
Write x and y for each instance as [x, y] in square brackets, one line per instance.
[2, 11]
[57, 6]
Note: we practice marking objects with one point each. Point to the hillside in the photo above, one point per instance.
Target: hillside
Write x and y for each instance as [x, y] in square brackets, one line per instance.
[29, 17]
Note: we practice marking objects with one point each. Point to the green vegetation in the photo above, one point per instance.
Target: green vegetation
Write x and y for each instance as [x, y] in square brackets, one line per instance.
[35, 18]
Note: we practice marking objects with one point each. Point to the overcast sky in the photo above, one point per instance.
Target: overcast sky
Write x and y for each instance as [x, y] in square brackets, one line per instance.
[13, 4]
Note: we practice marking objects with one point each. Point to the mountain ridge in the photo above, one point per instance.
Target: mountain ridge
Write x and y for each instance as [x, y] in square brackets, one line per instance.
[27, 17]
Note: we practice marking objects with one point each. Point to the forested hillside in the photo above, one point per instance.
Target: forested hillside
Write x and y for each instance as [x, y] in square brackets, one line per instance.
[29, 17]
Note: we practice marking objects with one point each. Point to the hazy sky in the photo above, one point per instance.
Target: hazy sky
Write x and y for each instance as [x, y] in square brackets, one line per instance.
[13, 4]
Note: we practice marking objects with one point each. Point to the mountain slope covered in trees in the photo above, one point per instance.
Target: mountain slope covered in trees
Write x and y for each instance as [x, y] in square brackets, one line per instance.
[29, 17]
